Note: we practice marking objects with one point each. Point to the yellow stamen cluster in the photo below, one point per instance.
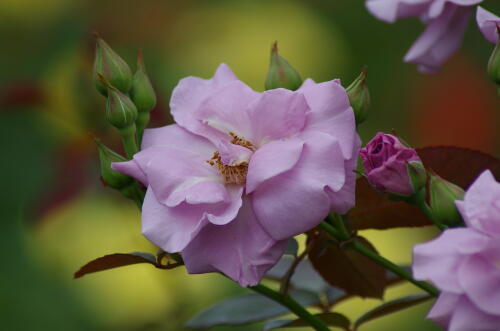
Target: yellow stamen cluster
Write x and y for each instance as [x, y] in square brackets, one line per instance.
[242, 142]
[236, 174]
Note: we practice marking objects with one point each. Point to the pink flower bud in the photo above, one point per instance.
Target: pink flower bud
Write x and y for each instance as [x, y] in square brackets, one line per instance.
[391, 167]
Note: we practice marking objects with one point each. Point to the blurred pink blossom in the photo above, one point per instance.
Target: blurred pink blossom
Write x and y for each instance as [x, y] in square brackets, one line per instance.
[446, 22]
[464, 263]
[488, 23]
[242, 171]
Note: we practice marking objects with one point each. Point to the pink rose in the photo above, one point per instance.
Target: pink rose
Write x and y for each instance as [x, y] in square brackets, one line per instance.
[242, 171]
[446, 22]
[464, 263]
[386, 162]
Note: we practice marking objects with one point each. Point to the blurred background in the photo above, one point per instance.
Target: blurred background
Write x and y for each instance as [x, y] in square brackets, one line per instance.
[56, 215]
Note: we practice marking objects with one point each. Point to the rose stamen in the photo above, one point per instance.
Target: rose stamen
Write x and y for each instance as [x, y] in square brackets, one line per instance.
[236, 174]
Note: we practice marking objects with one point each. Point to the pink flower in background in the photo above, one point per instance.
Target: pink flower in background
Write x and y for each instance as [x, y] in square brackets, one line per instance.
[242, 171]
[489, 24]
[386, 161]
[464, 263]
[446, 21]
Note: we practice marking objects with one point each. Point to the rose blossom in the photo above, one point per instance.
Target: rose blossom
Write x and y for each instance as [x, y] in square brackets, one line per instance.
[386, 162]
[464, 263]
[446, 21]
[242, 171]
[489, 24]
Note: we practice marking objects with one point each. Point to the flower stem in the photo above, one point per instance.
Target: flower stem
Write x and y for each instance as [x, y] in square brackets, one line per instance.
[418, 200]
[355, 245]
[290, 303]
[128, 140]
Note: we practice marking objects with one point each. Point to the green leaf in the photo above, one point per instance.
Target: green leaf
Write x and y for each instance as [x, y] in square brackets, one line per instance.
[292, 246]
[391, 307]
[345, 268]
[330, 319]
[304, 278]
[116, 260]
[246, 309]
[460, 166]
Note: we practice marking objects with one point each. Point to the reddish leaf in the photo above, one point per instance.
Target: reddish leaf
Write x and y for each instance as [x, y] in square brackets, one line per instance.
[374, 210]
[119, 260]
[347, 269]
[458, 165]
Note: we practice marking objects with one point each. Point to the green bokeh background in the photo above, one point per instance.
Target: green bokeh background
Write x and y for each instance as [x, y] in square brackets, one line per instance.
[55, 213]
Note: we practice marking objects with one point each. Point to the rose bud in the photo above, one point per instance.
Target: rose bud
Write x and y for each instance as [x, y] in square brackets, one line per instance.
[359, 97]
[120, 110]
[281, 73]
[442, 197]
[112, 67]
[143, 96]
[109, 176]
[391, 167]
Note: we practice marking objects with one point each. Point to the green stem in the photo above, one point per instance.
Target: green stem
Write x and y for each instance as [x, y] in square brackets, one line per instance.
[418, 200]
[381, 260]
[128, 140]
[291, 304]
[141, 122]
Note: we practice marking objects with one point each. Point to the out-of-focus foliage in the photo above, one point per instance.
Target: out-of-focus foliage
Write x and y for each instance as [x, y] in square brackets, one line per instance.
[56, 215]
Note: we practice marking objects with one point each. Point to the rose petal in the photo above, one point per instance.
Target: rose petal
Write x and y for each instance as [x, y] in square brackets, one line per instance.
[295, 201]
[192, 91]
[489, 24]
[177, 137]
[271, 160]
[443, 309]
[170, 228]
[482, 204]
[131, 168]
[391, 10]
[278, 113]
[227, 111]
[171, 170]
[331, 113]
[467, 317]
[439, 260]
[343, 200]
[242, 249]
[440, 40]
[480, 279]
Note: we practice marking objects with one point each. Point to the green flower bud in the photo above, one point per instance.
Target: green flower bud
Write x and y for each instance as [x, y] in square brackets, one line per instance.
[281, 73]
[120, 110]
[359, 97]
[442, 197]
[112, 67]
[142, 93]
[110, 177]
[494, 65]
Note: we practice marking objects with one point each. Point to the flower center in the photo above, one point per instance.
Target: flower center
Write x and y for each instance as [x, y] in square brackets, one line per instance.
[233, 173]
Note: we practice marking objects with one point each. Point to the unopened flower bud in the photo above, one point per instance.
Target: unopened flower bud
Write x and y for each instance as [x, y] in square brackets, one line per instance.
[391, 167]
[442, 197]
[281, 73]
[359, 97]
[112, 67]
[141, 92]
[120, 110]
[109, 176]
[494, 65]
